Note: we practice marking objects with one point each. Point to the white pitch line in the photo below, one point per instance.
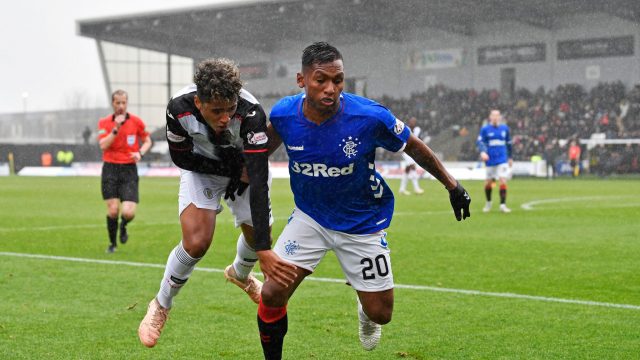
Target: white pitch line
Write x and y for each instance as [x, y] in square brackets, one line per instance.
[529, 205]
[342, 281]
[221, 220]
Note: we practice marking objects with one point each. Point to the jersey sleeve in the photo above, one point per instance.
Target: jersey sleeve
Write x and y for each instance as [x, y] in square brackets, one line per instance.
[103, 129]
[391, 133]
[507, 142]
[254, 135]
[254, 130]
[142, 129]
[181, 149]
[481, 142]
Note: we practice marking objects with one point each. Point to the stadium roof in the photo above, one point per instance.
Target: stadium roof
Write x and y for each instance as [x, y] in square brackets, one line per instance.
[263, 24]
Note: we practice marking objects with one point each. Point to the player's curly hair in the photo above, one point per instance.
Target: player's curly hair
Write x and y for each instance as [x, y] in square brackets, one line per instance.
[217, 79]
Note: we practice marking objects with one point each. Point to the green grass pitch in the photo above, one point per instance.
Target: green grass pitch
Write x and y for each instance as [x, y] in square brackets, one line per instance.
[580, 241]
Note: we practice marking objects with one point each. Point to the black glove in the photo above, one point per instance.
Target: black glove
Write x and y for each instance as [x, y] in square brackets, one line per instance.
[460, 201]
[235, 186]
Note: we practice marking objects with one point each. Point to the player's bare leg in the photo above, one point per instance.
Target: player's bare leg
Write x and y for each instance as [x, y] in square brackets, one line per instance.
[488, 186]
[113, 208]
[239, 272]
[198, 226]
[272, 314]
[374, 310]
[127, 215]
[503, 196]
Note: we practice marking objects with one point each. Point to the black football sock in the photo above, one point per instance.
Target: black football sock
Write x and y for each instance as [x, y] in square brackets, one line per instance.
[503, 194]
[112, 227]
[123, 229]
[273, 324]
[487, 192]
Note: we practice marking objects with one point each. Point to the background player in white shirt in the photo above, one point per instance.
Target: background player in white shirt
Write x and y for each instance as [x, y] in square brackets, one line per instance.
[409, 165]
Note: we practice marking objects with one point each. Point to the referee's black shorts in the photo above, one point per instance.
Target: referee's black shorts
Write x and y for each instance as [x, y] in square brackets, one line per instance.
[120, 181]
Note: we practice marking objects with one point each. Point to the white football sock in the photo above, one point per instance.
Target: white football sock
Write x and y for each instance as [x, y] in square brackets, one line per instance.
[413, 175]
[246, 258]
[403, 182]
[179, 267]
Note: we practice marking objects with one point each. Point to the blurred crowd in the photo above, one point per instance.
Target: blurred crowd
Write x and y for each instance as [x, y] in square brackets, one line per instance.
[542, 122]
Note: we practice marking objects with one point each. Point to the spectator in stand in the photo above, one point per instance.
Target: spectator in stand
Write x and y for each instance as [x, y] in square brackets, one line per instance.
[536, 118]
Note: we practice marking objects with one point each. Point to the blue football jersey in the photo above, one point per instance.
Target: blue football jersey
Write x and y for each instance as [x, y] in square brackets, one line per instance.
[332, 165]
[496, 142]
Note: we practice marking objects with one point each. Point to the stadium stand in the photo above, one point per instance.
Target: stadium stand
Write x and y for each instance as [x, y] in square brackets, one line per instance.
[542, 122]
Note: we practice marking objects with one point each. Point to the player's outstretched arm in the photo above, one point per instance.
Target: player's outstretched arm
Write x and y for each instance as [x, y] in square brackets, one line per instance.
[424, 156]
[274, 139]
[276, 269]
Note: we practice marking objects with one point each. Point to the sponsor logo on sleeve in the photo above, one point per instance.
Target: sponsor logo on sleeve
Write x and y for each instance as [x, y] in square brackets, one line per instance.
[398, 127]
[258, 138]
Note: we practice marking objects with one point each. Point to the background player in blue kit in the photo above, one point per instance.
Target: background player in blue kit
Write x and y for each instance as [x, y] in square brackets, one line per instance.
[494, 144]
[341, 202]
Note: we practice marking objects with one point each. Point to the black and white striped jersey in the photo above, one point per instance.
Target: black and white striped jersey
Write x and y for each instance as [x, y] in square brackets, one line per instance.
[191, 139]
[195, 146]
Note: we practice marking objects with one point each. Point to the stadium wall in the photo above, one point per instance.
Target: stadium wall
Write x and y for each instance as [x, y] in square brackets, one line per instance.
[383, 64]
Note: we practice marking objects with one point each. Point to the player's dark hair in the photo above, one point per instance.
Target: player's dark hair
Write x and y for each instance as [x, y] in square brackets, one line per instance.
[119, 92]
[217, 79]
[319, 53]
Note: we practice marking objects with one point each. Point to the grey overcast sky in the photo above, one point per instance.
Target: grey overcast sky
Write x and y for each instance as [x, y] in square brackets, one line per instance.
[41, 55]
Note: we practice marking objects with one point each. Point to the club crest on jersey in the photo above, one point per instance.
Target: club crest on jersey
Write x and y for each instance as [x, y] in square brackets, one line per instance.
[349, 146]
[291, 247]
[131, 140]
[398, 127]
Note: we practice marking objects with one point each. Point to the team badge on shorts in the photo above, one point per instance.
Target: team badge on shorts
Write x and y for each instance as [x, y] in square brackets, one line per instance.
[208, 193]
[291, 247]
[383, 242]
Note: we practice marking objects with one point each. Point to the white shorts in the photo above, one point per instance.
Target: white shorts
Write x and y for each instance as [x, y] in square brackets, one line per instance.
[364, 259]
[499, 171]
[407, 160]
[206, 191]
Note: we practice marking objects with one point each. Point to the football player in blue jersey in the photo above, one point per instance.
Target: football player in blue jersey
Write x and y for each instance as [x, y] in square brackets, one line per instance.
[494, 144]
[341, 202]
